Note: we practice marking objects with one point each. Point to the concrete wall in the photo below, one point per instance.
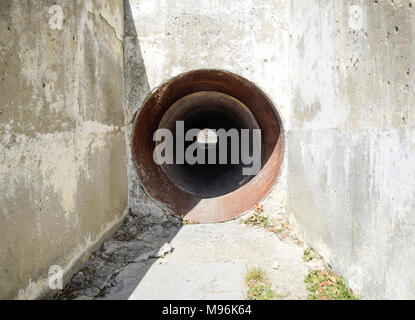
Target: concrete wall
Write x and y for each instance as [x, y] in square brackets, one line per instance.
[62, 143]
[249, 38]
[351, 160]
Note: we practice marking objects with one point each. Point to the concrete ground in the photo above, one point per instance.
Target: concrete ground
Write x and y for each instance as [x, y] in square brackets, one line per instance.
[190, 262]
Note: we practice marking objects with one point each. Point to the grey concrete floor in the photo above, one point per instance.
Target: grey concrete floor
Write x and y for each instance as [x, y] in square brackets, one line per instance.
[192, 262]
[210, 262]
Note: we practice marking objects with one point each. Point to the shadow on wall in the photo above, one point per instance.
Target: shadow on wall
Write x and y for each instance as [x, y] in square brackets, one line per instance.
[154, 226]
[135, 76]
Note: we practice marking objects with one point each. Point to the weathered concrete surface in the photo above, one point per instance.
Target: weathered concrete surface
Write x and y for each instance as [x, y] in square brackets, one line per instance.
[134, 244]
[249, 38]
[165, 261]
[62, 144]
[351, 164]
[136, 90]
[209, 262]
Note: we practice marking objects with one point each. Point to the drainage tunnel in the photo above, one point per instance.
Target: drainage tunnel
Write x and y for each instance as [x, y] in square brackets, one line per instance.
[207, 100]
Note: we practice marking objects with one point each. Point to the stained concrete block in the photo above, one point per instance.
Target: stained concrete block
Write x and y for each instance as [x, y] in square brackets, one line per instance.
[350, 142]
[62, 152]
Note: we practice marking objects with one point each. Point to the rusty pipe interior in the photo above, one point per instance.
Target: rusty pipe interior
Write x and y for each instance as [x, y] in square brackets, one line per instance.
[207, 100]
[213, 111]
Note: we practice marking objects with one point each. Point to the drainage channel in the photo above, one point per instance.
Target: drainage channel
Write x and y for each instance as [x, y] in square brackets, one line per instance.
[207, 100]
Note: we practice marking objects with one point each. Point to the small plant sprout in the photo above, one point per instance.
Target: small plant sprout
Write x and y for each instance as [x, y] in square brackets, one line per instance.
[258, 286]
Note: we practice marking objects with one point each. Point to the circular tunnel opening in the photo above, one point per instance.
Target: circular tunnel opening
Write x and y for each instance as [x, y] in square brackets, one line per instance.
[210, 102]
[208, 112]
